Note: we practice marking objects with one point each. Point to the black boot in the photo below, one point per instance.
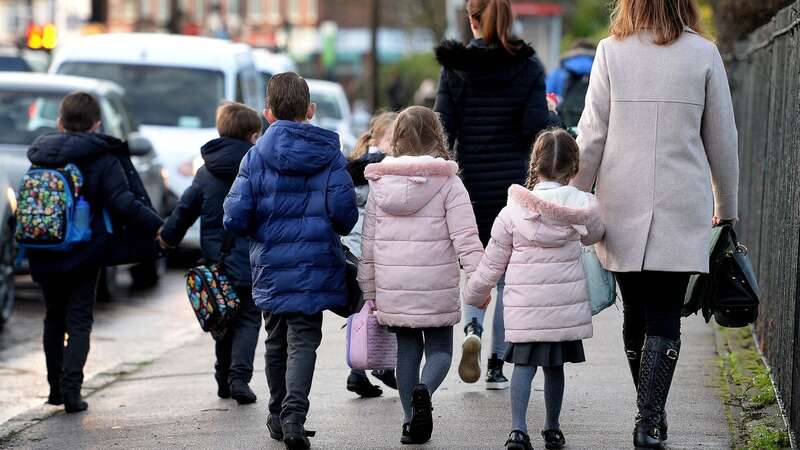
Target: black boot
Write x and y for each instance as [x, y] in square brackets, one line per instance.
[295, 436]
[55, 397]
[73, 403]
[387, 377]
[223, 388]
[421, 414]
[634, 363]
[242, 393]
[359, 383]
[495, 380]
[659, 358]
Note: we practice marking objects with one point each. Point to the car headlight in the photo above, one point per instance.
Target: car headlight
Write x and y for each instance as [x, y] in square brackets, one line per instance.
[12, 199]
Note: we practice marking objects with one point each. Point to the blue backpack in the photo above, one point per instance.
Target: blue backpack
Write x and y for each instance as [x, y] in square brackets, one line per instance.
[51, 214]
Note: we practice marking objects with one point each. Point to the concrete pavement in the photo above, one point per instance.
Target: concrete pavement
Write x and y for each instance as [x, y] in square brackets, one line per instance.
[171, 403]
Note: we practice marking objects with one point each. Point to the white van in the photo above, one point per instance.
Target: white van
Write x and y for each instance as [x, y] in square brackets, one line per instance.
[173, 85]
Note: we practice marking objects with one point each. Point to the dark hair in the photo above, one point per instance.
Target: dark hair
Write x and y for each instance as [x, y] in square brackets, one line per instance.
[79, 111]
[288, 97]
[418, 131]
[555, 156]
[238, 121]
[495, 19]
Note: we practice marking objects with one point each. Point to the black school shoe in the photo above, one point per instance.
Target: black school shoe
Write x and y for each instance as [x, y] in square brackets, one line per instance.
[421, 414]
[242, 393]
[73, 403]
[387, 377]
[295, 437]
[406, 438]
[553, 439]
[55, 397]
[519, 440]
[223, 389]
[274, 427]
[495, 380]
[361, 386]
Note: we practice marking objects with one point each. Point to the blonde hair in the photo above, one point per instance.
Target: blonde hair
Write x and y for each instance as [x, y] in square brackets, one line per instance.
[664, 18]
[554, 157]
[418, 131]
[236, 120]
[378, 126]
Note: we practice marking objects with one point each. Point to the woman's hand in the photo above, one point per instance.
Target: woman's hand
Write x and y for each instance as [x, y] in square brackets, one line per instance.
[486, 303]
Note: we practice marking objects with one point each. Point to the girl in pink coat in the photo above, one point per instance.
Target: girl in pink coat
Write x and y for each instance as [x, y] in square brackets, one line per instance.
[418, 227]
[536, 242]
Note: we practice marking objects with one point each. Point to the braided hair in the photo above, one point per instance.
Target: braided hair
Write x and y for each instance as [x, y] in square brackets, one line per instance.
[555, 157]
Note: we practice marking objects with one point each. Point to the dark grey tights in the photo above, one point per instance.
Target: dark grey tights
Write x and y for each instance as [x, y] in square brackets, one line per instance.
[521, 382]
[437, 344]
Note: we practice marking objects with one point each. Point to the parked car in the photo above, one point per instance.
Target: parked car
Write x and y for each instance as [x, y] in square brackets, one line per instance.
[333, 111]
[14, 59]
[29, 108]
[173, 86]
[8, 203]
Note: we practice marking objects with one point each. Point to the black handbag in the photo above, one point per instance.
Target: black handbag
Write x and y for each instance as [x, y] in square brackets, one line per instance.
[729, 292]
[355, 299]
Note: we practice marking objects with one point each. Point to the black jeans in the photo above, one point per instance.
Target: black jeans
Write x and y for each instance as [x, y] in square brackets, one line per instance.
[652, 303]
[237, 348]
[292, 342]
[69, 300]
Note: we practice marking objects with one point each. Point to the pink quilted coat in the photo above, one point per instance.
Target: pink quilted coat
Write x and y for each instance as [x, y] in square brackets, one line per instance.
[536, 242]
[418, 225]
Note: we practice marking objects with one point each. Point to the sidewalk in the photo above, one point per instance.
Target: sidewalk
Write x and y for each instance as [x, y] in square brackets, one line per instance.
[171, 403]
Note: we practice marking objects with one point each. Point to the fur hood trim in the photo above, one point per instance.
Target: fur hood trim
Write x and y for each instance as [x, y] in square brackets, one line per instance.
[430, 168]
[529, 201]
[455, 55]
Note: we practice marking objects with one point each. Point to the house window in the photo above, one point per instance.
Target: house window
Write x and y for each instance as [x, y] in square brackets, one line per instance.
[312, 11]
[232, 7]
[254, 9]
[294, 11]
[274, 12]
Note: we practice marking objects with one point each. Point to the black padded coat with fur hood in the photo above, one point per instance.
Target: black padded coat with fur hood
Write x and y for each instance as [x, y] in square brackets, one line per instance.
[493, 105]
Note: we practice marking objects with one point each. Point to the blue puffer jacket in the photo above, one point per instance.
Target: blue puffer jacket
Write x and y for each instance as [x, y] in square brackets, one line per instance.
[293, 198]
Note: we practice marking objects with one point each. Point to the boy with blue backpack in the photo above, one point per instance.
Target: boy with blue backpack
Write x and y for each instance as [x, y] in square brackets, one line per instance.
[294, 199]
[76, 186]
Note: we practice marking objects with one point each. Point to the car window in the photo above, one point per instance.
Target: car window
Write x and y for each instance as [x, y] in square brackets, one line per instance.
[158, 95]
[247, 88]
[14, 64]
[327, 105]
[24, 116]
[112, 120]
[128, 126]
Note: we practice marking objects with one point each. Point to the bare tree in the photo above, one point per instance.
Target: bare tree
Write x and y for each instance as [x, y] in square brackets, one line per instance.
[736, 18]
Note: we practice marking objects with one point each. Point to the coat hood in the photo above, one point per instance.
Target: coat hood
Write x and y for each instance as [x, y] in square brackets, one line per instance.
[579, 64]
[294, 148]
[357, 167]
[551, 217]
[479, 61]
[402, 186]
[59, 149]
[222, 156]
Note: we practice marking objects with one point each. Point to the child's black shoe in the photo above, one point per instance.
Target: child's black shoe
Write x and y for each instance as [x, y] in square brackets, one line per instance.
[295, 437]
[518, 440]
[421, 414]
[242, 393]
[55, 397]
[553, 439]
[274, 427]
[73, 403]
[223, 389]
[360, 385]
[406, 438]
[387, 377]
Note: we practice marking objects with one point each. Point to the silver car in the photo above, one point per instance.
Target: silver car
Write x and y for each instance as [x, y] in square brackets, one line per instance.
[29, 108]
[8, 204]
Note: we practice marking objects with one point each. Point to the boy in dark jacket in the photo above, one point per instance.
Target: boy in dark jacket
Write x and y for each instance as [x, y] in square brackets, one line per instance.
[293, 198]
[239, 127]
[69, 278]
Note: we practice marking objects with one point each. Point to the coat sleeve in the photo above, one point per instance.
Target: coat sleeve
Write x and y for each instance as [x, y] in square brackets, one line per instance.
[445, 105]
[186, 213]
[366, 268]
[341, 198]
[595, 229]
[593, 126]
[493, 264]
[121, 201]
[462, 226]
[721, 141]
[240, 204]
[537, 116]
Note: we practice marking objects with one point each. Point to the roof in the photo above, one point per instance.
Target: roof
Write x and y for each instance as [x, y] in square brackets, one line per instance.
[46, 82]
[153, 48]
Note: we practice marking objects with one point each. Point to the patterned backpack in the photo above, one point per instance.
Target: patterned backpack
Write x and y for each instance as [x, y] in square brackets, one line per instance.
[51, 214]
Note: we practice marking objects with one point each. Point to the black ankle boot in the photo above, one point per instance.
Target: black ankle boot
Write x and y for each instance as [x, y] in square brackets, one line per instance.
[242, 393]
[495, 380]
[55, 397]
[73, 403]
[634, 363]
[658, 361]
[361, 385]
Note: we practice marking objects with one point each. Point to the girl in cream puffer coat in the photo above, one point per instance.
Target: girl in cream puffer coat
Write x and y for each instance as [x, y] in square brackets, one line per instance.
[536, 241]
[419, 225]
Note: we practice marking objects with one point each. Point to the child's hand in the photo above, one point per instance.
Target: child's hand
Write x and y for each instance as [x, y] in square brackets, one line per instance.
[161, 242]
[486, 303]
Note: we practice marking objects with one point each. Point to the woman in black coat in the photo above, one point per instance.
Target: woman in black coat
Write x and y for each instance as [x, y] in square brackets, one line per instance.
[492, 101]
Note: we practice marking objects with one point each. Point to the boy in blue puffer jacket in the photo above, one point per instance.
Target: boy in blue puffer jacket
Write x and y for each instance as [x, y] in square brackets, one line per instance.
[293, 198]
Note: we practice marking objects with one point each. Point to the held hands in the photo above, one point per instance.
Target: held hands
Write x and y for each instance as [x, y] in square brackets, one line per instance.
[716, 221]
[161, 242]
[486, 302]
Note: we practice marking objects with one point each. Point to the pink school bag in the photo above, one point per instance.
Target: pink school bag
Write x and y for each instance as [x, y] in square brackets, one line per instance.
[370, 345]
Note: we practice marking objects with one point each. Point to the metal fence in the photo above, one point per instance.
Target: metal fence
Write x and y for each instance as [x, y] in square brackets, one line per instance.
[765, 81]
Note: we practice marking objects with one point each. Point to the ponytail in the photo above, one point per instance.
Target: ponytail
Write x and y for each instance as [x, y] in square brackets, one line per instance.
[495, 19]
[362, 145]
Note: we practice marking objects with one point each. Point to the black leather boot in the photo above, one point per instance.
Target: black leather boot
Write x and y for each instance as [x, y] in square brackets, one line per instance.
[658, 361]
[634, 362]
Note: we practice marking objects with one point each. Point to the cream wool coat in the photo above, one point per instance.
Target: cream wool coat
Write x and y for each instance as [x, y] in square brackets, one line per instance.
[657, 134]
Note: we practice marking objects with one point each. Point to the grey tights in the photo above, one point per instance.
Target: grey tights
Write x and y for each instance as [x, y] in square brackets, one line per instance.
[437, 344]
[521, 382]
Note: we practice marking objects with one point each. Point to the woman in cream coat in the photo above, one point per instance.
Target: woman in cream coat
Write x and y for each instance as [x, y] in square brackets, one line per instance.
[658, 140]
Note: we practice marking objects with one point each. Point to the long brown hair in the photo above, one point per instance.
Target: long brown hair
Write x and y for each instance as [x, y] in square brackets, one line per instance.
[378, 127]
[554, 157]
[664, 18]
[495, 19]
[417, 131]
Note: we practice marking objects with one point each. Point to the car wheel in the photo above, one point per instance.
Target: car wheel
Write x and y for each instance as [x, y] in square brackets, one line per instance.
[7, 255]
[146, 275]
[107, 284]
